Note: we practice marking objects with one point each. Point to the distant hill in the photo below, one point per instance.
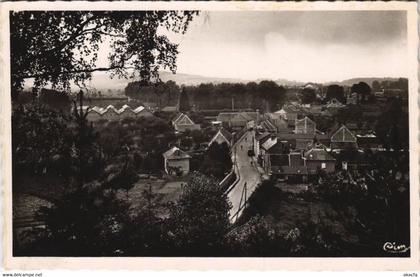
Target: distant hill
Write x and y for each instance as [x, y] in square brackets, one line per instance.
[369, 81]
[192, 80]
[101, 81]
[288, 83]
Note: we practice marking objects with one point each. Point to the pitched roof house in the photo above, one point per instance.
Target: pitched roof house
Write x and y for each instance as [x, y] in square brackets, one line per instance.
[176, 161]
[290, 168]
[260, 138]
[334, 104]
[125, 111]
[278, 121]
[95, 114]
[268, 126]
[305, 126]
[290, 113]
[182, 122]
[141, 111]
[221, 136]
[369, 141]
[343, 138]
[238, 120]
[111, 113]
[318, 158]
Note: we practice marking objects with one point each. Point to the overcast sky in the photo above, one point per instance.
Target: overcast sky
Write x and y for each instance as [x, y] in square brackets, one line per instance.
[303, 46]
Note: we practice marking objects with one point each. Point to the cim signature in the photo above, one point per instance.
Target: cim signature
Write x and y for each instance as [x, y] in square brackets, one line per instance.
[392, 247]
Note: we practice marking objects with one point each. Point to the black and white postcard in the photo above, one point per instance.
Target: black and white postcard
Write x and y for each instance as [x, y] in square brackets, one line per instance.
[193, 135]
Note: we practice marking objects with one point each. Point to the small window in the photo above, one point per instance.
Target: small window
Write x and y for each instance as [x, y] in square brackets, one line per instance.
[323, 165]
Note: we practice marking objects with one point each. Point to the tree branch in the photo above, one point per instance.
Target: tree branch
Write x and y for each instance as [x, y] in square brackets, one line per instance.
[90, 70]
[79, 31]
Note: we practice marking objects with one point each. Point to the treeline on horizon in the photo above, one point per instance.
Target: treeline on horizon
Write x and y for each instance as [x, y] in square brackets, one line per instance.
[265, 95]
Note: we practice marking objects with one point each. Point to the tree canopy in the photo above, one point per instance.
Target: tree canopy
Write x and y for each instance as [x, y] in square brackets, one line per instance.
[200, 218]
[56, 47]
[308, 95]
[336, 91]
[217, 161]
[184, 102]
[161, 93]
[265, 96]
[363, 91]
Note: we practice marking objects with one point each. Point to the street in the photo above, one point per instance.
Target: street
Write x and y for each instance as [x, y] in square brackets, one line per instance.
[249, 177]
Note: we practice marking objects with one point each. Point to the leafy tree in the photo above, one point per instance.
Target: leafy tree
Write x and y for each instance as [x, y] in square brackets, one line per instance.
[217, 161]
[184, 103]
[147, 235]
[392, 125]
[256, 238]
[86, 151]
[160, 93]
[41, 144]
[308, 96]
[198, 137]
[363, 91]
[266, 95]
[272, 93]
[172, 91]
[323, 123]
[372, 202]
[123, 179]
[199, 220]
[349, 114]
[61, 46]
[86, 222]
[335, 91]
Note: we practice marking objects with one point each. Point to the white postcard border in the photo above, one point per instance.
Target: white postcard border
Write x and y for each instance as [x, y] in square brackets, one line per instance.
[113, 263]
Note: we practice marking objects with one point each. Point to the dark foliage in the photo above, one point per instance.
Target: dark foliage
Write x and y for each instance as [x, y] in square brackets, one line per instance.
[266, 96]
[55, 100]
[61, 46]
[392, 126]
[363, 91]
[335, 91]
[86, 222]
[199, 220]
[162, 94]
[184, 102]
[308, 96]
[217, 161]
[41, 144]
[375, 202]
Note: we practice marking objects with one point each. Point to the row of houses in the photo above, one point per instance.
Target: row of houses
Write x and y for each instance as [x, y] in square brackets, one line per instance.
[294, 157]
[111, 113]
[297, 167]
[285, 143]
[291, 148]
[279, 121]
[288, 164]
[177, 161]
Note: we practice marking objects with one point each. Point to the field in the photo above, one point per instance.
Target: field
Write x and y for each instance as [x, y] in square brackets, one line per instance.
[163, 192]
